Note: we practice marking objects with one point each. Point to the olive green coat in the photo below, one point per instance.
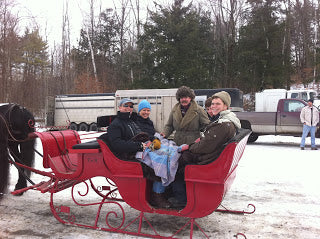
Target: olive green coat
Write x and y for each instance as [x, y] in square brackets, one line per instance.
[187, 128]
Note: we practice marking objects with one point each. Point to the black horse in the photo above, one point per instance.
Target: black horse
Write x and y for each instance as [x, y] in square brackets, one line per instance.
[16, 124]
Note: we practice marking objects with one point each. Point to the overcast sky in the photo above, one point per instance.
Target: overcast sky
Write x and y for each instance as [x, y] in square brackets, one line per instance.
[48, 15]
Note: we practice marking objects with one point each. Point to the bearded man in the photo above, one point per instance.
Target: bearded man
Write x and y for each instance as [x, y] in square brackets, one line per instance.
[186, 118]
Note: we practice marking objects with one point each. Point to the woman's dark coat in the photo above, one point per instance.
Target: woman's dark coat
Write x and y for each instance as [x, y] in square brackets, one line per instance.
[146, 125]
[120, 133]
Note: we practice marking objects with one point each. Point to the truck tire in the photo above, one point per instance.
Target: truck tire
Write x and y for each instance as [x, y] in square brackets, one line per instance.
[93, 127]
[73, 126]
[83, 127]
[253, 138]
[246, 125]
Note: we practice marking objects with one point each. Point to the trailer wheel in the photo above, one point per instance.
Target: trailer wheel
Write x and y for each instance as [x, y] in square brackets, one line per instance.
[83, 127]
[73, 126]
[253, 138]
[93, 127]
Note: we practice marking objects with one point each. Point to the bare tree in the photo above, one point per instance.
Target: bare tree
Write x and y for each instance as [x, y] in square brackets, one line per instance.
[227, 15]
[8, 47]
[66, 50]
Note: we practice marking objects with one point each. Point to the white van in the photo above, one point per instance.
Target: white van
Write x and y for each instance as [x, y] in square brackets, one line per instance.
[267, 100]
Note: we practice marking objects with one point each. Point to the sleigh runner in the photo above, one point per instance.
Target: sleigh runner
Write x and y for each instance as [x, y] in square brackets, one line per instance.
[75, 165]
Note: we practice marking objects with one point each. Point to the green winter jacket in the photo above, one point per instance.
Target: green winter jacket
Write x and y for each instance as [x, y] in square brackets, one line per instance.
[187, 128]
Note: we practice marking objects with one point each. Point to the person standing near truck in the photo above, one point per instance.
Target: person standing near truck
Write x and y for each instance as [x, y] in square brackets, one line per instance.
[309, 117]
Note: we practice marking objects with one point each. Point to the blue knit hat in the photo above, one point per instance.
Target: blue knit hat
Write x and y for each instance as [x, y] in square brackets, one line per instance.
[144, 104]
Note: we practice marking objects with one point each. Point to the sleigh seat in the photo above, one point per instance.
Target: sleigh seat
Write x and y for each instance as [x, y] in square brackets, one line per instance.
[88, 145]
[69, 158]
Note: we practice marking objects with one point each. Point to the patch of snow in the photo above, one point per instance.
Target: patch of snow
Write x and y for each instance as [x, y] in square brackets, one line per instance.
[281, 180]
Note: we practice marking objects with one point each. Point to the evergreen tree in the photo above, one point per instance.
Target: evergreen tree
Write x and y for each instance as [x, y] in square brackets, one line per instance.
[105, 45]
[175, 48]
[260, 55]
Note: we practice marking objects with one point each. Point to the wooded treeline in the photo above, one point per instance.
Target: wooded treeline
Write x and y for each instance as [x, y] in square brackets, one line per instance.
[250, 45]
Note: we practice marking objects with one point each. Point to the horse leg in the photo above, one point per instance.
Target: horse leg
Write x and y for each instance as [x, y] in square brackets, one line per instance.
[15, 153]
[24, 156]
[27, 153]
[27, 158]
[4, 162]
[4, 167]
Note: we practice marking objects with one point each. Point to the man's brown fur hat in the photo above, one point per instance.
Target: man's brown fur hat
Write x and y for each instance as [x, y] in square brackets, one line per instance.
[185, 91]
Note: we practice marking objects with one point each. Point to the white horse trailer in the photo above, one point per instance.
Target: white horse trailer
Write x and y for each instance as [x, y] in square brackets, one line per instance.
[161, 100]
[85, 112]
[80, 111]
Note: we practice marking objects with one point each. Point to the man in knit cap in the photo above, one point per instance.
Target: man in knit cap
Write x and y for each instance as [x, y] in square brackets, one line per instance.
[208, 147]
[187, 118]
[223, 127]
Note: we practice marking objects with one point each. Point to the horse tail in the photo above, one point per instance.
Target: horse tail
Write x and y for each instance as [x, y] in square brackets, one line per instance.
[4, 161]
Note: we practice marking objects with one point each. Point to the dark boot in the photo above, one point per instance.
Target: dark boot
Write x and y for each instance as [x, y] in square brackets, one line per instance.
[176, 204]
[158, 200]
[179, 191]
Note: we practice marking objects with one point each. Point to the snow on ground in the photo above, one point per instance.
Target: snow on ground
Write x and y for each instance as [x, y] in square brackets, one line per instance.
[281, 180]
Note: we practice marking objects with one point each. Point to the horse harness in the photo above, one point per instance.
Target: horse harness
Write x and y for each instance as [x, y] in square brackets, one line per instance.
[6, 118]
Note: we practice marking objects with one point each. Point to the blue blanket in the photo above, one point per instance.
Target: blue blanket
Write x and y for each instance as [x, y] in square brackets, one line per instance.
[164, 161]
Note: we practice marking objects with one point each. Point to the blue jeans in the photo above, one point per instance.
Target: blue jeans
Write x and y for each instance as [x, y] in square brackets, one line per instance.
[305, 131]
[157, 187]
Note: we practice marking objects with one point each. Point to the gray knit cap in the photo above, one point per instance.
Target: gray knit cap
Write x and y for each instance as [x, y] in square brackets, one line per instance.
[224, 96]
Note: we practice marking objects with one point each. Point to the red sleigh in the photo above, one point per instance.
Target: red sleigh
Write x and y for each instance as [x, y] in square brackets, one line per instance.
[74, 165]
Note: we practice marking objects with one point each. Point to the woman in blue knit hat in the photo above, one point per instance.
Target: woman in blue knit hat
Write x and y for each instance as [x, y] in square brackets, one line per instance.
[143, 120]
[157, 198]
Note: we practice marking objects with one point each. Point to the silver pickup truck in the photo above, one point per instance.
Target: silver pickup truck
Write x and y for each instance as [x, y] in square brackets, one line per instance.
[286, 121]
